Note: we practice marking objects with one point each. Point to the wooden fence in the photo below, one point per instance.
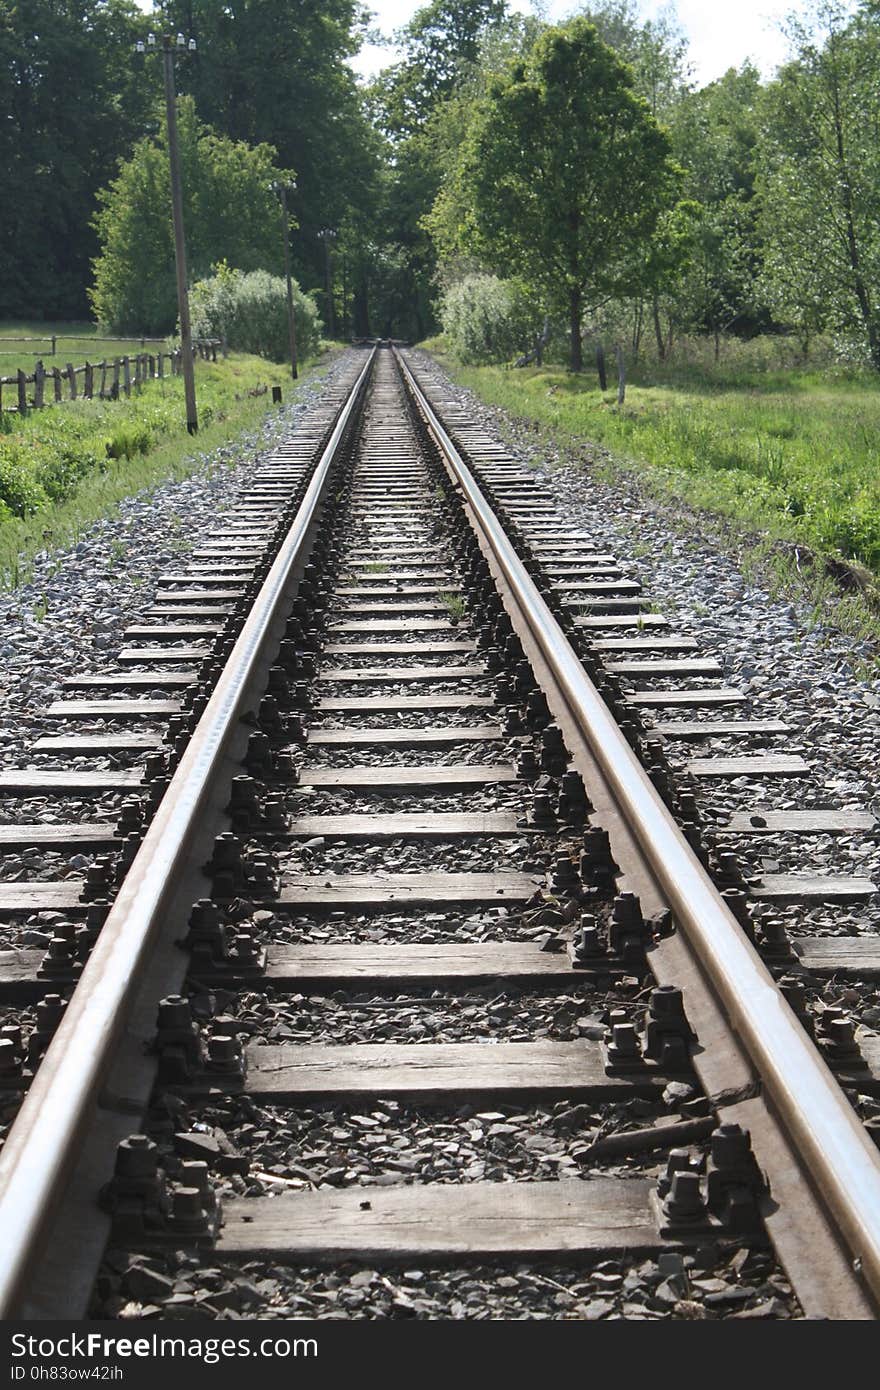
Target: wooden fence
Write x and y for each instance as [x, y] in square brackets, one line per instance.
[55, 338]
[106, 380]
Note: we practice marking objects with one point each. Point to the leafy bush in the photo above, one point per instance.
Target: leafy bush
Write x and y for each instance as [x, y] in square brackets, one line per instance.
[486, 319]
[19, 490]
[228, 209]
[250, 313]
[128, 441]
[59, 476]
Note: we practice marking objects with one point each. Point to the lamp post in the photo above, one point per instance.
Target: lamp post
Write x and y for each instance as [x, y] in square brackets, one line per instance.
[327, 235]
[282, 189]
[169, 47]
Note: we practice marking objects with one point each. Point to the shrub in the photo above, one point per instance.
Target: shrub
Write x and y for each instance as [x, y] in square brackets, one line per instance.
[250, 313]
[486, 319]
[19, 489]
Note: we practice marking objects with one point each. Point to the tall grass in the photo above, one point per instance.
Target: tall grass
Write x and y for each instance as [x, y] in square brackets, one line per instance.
[793, 453]
[79, 345]
[63, 467]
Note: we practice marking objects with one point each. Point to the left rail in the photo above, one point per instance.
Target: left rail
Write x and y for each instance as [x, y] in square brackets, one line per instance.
[43, 1143]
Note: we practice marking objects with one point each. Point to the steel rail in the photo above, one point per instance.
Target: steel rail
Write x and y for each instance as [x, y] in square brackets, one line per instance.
[843, 1163]
[41, 1145]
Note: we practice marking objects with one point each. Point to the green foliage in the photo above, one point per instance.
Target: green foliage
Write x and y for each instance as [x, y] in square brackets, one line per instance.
[789, 451]
[562, 175]
[249, 312]
[488, 320]
[230, 211]
[819, 178]
[232, 395]
[72, 105]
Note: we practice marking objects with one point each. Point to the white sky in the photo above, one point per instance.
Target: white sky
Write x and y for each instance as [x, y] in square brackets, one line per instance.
[722, 33]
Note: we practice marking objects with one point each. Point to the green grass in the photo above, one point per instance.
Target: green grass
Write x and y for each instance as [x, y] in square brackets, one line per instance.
[63, 467]
[15, 356]
[792, 454]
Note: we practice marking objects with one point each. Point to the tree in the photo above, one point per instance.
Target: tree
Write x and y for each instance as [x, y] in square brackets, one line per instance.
[277, 71]
[819, 177]
[715, 133]
[410, 101]
[71, 105]
[562, 176]
[230, 213]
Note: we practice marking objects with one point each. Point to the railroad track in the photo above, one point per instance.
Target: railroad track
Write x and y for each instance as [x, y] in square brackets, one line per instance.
[402, 939]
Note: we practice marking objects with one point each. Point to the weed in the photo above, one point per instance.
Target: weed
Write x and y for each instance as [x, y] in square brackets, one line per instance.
[455, 604]
[376, 567]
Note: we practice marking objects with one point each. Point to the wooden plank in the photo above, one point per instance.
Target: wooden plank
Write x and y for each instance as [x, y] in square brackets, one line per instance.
[408, 825]
[609, 605]
[401, 673]
[840, 955]
[396, 648]
[687, 666]
[708, 696]
[43, 897]
[394, 625]
[74, 779]
[756, 765]
[450, 733]
[434, 1072]
[798, 888]
[598, 586]
[386, 966]
[397, 775]
[797, 822]
[145, 654]
[367, 703]
[437, 1221]
[173, 632]
[130, 680]
[112, 709]
[200, 595]
[335, 891]
[606, 620]
[164, 610]
[710, 728]
[645, 644]
[48, 834]
[99, 743]
[394, 591]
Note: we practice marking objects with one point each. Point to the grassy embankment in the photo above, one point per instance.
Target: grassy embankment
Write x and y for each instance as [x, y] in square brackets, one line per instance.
[791, 455]
[63, 467]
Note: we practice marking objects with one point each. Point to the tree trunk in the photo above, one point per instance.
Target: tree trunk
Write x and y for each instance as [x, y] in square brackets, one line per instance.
[637, 330]
[658, 328]
[621, 374]
[576, 362]
[600, 366]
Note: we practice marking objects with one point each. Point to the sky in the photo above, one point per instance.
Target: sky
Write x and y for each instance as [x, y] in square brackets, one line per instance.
[722, 33]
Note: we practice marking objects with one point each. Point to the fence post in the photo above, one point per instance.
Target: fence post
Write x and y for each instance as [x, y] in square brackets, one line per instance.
[114, 389]
[89, 382]
[54, 344]
[39, 380]
[56, 383]
[151, 364]
[213, 352]
[126, 375]
[71, 377]
[22, 393]
[161, 361]
[103, 378]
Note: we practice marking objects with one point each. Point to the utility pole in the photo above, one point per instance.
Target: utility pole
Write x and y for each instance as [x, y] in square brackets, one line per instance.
[282, 189]
[327, 235]
[169, 47]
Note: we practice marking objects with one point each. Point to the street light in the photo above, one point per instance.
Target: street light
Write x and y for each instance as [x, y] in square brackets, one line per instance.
[282, 189]
[169, 47]
[327, 235]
